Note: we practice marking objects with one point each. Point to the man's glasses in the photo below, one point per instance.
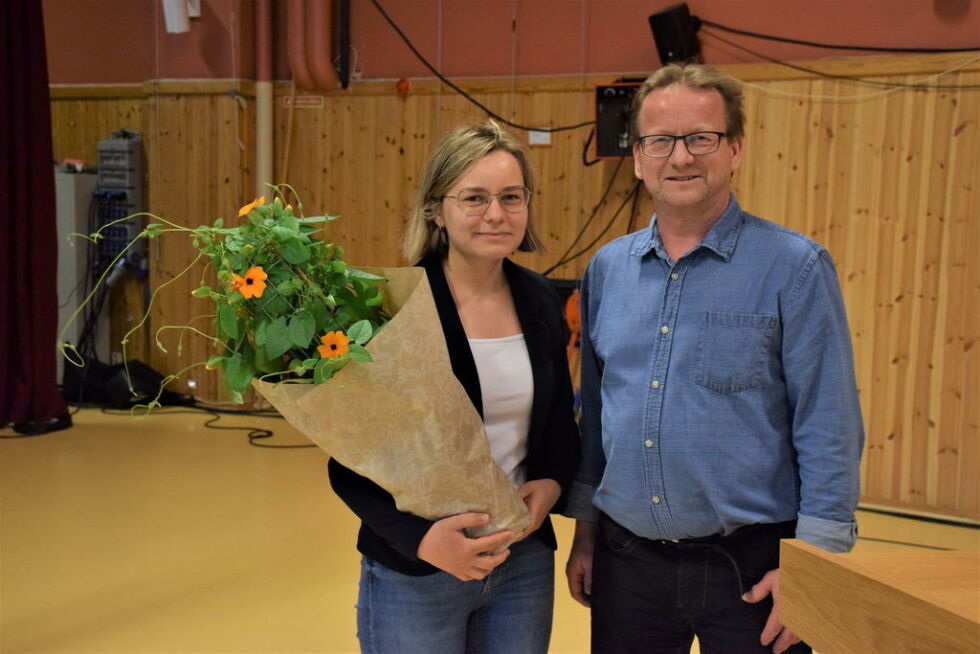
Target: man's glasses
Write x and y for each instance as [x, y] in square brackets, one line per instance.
[698, 144]
[475, 202]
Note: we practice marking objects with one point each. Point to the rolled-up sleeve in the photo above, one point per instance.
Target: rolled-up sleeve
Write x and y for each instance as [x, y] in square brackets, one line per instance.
[827, 428]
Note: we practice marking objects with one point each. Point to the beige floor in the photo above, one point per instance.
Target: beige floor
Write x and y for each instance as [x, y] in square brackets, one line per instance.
[158, 535]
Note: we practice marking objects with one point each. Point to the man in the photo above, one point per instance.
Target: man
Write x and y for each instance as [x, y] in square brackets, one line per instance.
[719, 407]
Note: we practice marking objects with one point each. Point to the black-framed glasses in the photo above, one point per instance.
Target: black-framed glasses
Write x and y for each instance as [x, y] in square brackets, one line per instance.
[698, 144]
[476, 201]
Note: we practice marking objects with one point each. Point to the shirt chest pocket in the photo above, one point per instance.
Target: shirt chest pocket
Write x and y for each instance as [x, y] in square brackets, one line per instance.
[734, 350]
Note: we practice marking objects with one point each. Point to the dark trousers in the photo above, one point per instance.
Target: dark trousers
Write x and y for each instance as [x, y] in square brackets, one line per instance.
[655, 596]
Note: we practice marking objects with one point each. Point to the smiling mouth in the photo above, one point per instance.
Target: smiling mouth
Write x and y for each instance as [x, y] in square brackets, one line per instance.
[679, 178]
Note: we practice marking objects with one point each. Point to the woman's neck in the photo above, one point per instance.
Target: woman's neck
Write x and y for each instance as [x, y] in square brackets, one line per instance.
[468, 277]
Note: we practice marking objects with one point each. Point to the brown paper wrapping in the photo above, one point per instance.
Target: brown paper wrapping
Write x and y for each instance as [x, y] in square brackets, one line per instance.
[404, 420]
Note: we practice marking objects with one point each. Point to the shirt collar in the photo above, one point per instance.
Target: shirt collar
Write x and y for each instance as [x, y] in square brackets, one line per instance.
[720, 239]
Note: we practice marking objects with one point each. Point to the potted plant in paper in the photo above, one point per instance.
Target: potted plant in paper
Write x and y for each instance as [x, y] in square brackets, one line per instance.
[287, 305]
[354, 358]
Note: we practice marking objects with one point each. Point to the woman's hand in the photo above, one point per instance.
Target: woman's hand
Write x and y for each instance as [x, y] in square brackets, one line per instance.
[448, 548]
[539, 496]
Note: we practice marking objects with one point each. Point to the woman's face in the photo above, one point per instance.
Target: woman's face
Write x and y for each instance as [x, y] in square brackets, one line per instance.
[495, 232]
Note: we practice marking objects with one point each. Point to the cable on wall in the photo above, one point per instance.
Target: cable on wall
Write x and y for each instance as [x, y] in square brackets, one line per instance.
[868, 48]
[845, 78]
[463, 93]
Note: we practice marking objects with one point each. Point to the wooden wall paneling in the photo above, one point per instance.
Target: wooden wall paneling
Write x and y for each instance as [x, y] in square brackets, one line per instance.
[196, 178]
[896, 211]
[77, 125]
[916, 398]
[953, 428]
[967, 200]
[868, 185]
[928, 244]
[819, 208]
[873, 248]
[896, 288]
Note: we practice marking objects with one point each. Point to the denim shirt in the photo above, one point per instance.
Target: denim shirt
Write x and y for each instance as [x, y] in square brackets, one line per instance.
[718, 391]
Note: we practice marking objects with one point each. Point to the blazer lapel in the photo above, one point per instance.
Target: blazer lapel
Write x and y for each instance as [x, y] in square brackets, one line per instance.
[460, 355]
[527, 302]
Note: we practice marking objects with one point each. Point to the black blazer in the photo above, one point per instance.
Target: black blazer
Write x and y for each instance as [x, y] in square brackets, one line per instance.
[391, 537]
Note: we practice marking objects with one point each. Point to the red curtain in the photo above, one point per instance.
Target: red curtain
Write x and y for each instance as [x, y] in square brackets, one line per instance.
[29, 392]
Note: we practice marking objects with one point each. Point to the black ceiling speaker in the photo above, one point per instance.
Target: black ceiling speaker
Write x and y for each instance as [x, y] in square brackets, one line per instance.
[675, 32]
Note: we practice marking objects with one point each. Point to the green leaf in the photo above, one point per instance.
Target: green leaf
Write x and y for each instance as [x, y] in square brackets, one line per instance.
[301, 328]
[360, 332]
[273, 304]
[298, 367]
[201, 291]
[283, 233]
[277, 341]
[317, 219]
[266, 363]
[318, 310]
[238, 373]
[289, 222]
[360, 274]
[228, 321]
[294, 251]
[219, 222]
[286, 288]
[358, 353]
[338, 266]
[234, 242]
[215, 361]
[261, 325]
[323, 371]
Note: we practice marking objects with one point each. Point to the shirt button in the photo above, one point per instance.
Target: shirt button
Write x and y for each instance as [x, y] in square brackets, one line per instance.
[648, 443]
[655, 499]
[674, 276]
[655, 384]
[664, 329]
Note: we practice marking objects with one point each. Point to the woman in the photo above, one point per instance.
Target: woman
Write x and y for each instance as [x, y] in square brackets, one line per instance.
[426, 587]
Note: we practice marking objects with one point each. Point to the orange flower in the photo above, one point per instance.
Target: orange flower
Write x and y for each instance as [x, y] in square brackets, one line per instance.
[251, 205]
[252, 284]
[334, 344]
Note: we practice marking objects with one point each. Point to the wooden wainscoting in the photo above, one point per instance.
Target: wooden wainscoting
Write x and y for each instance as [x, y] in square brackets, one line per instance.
[886, 178]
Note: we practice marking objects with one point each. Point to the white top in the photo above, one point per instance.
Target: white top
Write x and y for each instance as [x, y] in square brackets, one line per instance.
[507, 386]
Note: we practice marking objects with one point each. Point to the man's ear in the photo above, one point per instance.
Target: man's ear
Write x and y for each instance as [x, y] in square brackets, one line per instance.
[736, 145]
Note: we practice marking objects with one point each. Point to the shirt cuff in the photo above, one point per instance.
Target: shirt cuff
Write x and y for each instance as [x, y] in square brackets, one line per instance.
[580, 504]
[830, 535]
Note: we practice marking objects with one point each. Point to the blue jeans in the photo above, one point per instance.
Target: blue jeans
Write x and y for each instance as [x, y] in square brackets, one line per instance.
[653, 597]
[507, 612]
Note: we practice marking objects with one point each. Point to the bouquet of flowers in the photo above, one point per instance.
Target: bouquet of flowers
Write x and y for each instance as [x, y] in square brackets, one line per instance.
[353, 358]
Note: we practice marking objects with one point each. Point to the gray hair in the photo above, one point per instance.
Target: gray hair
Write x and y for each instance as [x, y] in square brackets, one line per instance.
[695, 76]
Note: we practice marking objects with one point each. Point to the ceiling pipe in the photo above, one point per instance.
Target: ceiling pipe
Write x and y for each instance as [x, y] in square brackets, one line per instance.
[318, 50]
[264, 98]
[296, 44]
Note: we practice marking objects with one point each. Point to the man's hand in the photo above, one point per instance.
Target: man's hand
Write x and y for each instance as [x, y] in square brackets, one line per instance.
[446, 547]
[774, 629]
[539, 495]
[579, 566]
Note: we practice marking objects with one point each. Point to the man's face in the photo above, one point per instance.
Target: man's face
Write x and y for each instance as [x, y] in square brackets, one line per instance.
[683, 185]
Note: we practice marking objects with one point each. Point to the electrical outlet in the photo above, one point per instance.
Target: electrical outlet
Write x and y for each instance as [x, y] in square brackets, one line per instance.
[536, 137]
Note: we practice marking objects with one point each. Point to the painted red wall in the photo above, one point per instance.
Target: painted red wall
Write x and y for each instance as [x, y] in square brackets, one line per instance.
[123, 41]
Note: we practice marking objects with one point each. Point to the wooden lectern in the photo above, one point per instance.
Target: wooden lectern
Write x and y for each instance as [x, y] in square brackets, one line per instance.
[925, 601]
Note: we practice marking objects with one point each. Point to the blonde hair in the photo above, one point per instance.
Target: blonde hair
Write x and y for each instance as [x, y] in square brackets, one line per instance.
[695, 76]
[454, 154]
